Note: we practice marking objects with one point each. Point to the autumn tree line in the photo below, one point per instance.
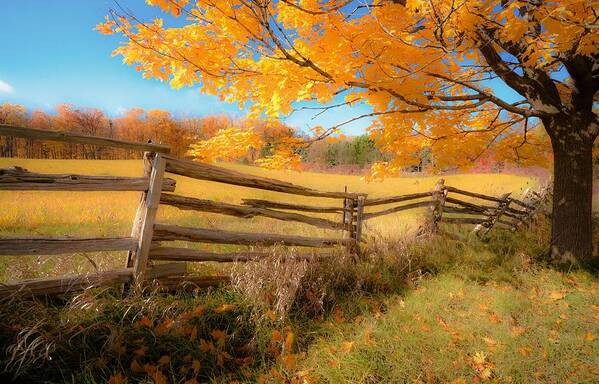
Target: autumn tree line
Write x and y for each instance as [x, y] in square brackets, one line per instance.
[161, 127]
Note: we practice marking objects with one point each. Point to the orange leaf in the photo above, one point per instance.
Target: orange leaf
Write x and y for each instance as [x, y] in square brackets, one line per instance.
[219, 336]
[196, 365]
[289, 338]
[136, 367]
[524, 351]
[347, 346]
[557, 295]
[117, 379]
[141, 351]
[145, 322]
[224, 308]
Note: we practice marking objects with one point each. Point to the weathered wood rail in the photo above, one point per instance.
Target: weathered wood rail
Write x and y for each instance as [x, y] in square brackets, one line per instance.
[145, 246]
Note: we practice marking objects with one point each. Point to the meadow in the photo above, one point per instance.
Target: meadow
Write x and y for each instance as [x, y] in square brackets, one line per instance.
[44, 213]
[430, 311]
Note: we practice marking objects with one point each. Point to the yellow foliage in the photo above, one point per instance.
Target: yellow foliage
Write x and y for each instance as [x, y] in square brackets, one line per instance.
[227, 145]
[316, 52]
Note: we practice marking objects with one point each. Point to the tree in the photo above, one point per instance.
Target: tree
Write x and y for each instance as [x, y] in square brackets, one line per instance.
[429, 69]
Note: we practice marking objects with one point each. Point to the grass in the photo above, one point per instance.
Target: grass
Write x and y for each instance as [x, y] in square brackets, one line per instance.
[544, 329]
[110, 213]
[410, 311]
[428, 311]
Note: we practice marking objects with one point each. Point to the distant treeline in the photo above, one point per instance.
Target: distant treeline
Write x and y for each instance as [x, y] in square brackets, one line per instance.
[358, 151]
[161, 127]
[135, 125]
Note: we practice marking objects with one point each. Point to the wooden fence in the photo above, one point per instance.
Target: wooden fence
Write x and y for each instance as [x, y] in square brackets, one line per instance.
[144, 246]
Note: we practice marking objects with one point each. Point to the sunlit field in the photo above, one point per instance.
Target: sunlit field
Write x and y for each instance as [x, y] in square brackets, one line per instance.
[103, 214]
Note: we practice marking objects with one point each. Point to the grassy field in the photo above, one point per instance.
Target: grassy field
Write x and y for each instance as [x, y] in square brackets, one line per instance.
[438, 311]
[111, 213]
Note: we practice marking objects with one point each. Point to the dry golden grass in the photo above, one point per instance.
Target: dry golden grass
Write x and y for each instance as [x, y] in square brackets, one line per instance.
[111, 213]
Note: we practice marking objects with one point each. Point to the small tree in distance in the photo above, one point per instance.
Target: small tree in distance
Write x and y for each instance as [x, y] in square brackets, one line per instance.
[429, 69]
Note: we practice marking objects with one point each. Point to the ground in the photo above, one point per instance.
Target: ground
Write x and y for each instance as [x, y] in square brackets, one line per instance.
[430, 311]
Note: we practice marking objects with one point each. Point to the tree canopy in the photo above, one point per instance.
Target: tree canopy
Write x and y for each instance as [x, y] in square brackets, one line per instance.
[431, 70]
[425, 67]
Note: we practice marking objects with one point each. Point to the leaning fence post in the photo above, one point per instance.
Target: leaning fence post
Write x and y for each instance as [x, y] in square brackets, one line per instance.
[438, 202]
[499, 210]
[147, 227]
[148, 157]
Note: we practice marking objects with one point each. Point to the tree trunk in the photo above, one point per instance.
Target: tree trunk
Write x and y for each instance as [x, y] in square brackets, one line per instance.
[571, 237]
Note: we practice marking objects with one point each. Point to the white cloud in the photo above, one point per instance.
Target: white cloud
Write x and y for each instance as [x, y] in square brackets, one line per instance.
[6, 88]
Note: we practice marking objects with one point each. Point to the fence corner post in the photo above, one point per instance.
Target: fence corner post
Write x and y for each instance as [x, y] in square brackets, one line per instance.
[359, 204]
[438, 202]
[496, 214]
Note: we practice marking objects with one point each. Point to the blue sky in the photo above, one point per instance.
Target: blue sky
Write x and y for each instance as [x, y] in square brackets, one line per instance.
[52, 55]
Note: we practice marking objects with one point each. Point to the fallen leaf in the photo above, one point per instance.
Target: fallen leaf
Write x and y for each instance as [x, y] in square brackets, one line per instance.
[219, 336]
[479, 358]
[347, 346]
[145, 322]
[589, 336]
[224, 308]
[196, 365]
[557, 295]
[117, 379]
[164, 360]
[524, 351]
[136, 367]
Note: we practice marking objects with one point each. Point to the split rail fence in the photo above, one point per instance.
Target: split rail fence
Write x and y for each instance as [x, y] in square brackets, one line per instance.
[145, 245]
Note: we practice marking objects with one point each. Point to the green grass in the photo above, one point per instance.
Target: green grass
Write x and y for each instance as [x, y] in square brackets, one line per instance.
[415, 312]
[449, 329]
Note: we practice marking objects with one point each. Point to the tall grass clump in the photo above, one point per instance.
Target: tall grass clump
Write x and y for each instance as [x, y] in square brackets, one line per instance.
[95, 336]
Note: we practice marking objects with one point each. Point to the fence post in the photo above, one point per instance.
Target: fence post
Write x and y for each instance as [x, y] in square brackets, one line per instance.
[359, 203]
[344, 220]
[349, 221]
[141, 209]
[438, 202]
[499, 210]
[150, 207]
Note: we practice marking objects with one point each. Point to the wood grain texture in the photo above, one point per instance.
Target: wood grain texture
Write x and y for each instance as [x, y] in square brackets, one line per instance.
[18, 179]
[19, 246]
[372, 215]
[294, 207]
[191, 203]
[395, 199]
[204, 171]
[140, 214]
[186, 254]
[144, 242]
[68, 137]
[473, 194]
[164, 232]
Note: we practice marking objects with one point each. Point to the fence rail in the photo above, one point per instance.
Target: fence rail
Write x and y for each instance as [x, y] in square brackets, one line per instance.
[446, 204]
[20, 179]
[69, 137]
